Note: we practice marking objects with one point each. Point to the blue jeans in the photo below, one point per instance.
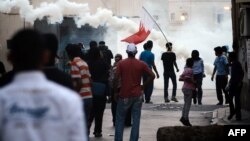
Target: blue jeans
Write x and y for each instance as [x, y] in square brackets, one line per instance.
[172, 76]
[148, 90]
[135, 103]
[87, 107]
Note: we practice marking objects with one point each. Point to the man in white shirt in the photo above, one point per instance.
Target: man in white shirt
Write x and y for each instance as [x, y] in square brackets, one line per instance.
[33, 108]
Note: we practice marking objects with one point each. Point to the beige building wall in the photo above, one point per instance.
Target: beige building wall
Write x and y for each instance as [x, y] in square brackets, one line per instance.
[209, 12]
[9, 24]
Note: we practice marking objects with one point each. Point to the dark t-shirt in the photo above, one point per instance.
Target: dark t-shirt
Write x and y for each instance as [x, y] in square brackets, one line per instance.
[58, 76]
[99, 70]
[168, 59]
[237, 74]
[107, 55]
[2, 69]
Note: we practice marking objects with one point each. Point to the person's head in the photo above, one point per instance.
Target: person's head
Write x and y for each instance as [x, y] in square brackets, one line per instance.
[218, 50]
[92, 44]
[145, 46]
[149, 44]
[224, 49]
[73, 50]
[195, 54]
[232, 56]
[27, 50]
[81, 45]
[169, 46]
[189, 63]
[102, 45]
[131, 50]
[51, 47]
[118, 57]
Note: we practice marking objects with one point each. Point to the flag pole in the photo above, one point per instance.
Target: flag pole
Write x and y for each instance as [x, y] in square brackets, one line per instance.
[155, 22]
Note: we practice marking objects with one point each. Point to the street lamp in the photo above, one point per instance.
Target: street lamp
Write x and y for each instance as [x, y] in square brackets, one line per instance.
[183, 18]
[226, 8]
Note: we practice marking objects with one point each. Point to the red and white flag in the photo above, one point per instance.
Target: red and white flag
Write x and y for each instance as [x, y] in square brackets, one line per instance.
[146, 25]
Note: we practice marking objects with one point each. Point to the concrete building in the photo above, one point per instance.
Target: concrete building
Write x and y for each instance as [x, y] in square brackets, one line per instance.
[241, 41]
[210, 12]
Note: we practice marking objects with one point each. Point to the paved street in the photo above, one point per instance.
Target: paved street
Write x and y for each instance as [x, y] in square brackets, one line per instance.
[160, 114]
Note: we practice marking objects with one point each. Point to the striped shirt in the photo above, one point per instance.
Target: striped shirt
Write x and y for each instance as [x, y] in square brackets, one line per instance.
[80, 69]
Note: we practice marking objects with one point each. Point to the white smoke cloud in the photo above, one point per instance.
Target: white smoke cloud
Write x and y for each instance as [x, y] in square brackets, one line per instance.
[99, 18]
[53, 11]
[194, 35]
[44, 10]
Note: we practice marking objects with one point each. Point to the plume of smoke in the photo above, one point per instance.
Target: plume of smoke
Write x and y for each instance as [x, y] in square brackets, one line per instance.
[44, 10]
[7, 5]
[53, 11]
[99, 18]
[193, 35]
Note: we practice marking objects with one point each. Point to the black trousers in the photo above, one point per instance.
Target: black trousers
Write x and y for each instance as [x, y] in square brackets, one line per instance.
[234, 93]
[221, 83]
[197, 93]
[99, 105]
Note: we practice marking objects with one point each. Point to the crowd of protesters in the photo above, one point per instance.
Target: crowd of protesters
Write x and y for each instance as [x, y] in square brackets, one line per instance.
[49, 104]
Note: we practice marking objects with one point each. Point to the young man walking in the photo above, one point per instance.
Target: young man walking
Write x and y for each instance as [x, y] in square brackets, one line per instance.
[130, 72]
[222, 71]
[148, 57]
[169, 61]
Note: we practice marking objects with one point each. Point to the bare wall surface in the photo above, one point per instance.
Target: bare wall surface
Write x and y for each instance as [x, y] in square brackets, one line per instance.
[9, 24]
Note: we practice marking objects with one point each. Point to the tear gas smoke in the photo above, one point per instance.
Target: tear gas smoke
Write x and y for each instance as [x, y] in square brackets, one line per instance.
[194, 35]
